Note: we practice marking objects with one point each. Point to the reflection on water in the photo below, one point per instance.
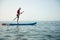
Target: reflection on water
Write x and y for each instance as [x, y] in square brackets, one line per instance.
[40, 31]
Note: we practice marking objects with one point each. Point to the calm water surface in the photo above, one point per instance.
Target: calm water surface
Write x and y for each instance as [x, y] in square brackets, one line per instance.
[43, 30]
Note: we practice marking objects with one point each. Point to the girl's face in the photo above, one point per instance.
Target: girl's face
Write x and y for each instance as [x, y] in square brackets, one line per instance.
[19, 8]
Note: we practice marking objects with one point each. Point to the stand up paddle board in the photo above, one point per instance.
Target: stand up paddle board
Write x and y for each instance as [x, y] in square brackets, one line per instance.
[14, 24]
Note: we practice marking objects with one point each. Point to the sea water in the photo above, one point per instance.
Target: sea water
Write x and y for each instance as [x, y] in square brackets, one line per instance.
[43, 30]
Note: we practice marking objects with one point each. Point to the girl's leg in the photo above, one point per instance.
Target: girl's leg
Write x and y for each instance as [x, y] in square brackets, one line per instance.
[17, 25]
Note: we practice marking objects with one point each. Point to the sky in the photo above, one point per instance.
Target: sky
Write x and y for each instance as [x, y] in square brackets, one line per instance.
[42, 10]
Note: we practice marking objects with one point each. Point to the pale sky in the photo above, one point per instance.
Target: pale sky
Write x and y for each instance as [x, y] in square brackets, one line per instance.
[44, 10]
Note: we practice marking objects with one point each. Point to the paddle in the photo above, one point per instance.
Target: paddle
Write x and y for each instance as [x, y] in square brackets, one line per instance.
[16, 17]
